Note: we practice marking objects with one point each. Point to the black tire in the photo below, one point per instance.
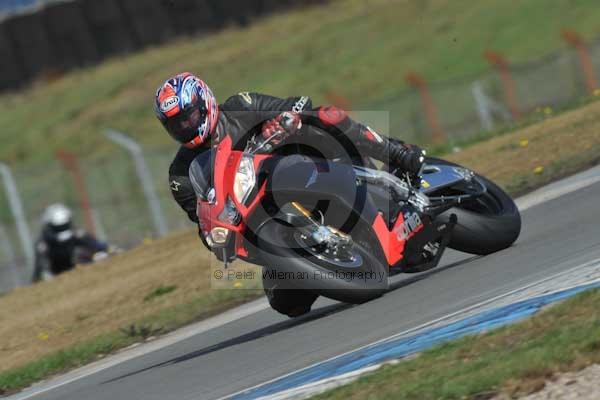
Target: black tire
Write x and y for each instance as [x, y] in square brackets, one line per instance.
[492, 224]
[285, 299]
[282, 253]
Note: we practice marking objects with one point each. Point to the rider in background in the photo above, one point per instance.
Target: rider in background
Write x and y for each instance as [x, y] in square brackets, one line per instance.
[191, 115]
[60, 247]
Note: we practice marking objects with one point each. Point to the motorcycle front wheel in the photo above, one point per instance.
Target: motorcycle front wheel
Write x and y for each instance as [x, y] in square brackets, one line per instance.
[357, 278]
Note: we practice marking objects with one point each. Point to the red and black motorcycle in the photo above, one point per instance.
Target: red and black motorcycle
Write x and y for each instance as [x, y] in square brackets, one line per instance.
[338, 228]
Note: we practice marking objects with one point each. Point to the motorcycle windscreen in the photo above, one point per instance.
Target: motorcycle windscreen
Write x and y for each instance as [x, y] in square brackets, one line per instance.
[438, 176]
[200, 174]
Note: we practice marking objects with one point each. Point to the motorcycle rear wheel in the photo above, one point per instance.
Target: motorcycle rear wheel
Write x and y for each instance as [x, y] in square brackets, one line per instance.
[487, 225]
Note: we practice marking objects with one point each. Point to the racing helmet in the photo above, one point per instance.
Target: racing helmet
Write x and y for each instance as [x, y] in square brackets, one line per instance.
[187, 109]
[58, 222]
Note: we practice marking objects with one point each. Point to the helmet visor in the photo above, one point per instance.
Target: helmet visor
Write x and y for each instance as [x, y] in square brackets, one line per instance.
[185, 126]
[59, 233]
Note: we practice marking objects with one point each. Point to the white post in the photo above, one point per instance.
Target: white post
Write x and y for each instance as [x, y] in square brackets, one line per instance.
[485, 115]
[99, 227]
[6, 247]
[145, 178]
[16, 207]
[487, 107]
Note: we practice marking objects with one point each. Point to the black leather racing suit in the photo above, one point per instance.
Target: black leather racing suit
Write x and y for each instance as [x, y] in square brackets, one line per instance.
[56, 256]
[242, 115]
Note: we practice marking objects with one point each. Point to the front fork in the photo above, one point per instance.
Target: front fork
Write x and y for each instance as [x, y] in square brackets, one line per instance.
[312, 230]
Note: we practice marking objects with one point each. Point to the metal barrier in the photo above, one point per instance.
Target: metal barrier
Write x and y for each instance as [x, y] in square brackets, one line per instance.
[466, 107]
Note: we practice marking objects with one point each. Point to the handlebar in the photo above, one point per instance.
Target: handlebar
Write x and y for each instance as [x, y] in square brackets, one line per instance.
[258, 143]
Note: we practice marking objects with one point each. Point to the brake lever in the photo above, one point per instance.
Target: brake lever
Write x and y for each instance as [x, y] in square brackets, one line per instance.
[410, 178]
[421, 170]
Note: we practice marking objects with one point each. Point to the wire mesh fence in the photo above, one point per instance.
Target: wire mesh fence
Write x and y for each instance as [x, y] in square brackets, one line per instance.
[120, 208]
[469, 106]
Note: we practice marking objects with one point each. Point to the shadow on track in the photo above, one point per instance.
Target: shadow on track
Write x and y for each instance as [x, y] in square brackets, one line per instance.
[288, 324]
[248, 337]
[416, 277]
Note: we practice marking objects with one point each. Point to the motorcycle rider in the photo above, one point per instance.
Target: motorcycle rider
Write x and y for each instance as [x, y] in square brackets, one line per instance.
[60, 246]
[191, 115]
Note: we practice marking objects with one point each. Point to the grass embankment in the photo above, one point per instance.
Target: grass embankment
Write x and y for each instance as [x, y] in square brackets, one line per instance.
[160, 286]
[359, 50]
[80, 315]
[515, 360]
[540, 153]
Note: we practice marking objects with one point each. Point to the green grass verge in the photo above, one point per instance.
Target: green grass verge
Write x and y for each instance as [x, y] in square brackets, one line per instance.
[516, 359]
[160, 323]
[526, 182]
[63, 360]
[159, 291]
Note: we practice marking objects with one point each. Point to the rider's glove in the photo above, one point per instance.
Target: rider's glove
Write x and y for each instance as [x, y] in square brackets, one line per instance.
[99, 256]
[409, 158]
[285, 124]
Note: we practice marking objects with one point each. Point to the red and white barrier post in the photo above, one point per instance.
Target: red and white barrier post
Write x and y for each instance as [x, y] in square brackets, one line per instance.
[585, 61]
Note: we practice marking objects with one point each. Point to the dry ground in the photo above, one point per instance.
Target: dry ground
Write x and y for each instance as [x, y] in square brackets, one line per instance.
[535, 155]
[85, 303]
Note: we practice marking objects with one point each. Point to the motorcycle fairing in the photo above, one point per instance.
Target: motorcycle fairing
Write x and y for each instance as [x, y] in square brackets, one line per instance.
[315, 181]
[226, 165]
[332, 185]
[403, 244]
[300, 177]
[392, 246]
